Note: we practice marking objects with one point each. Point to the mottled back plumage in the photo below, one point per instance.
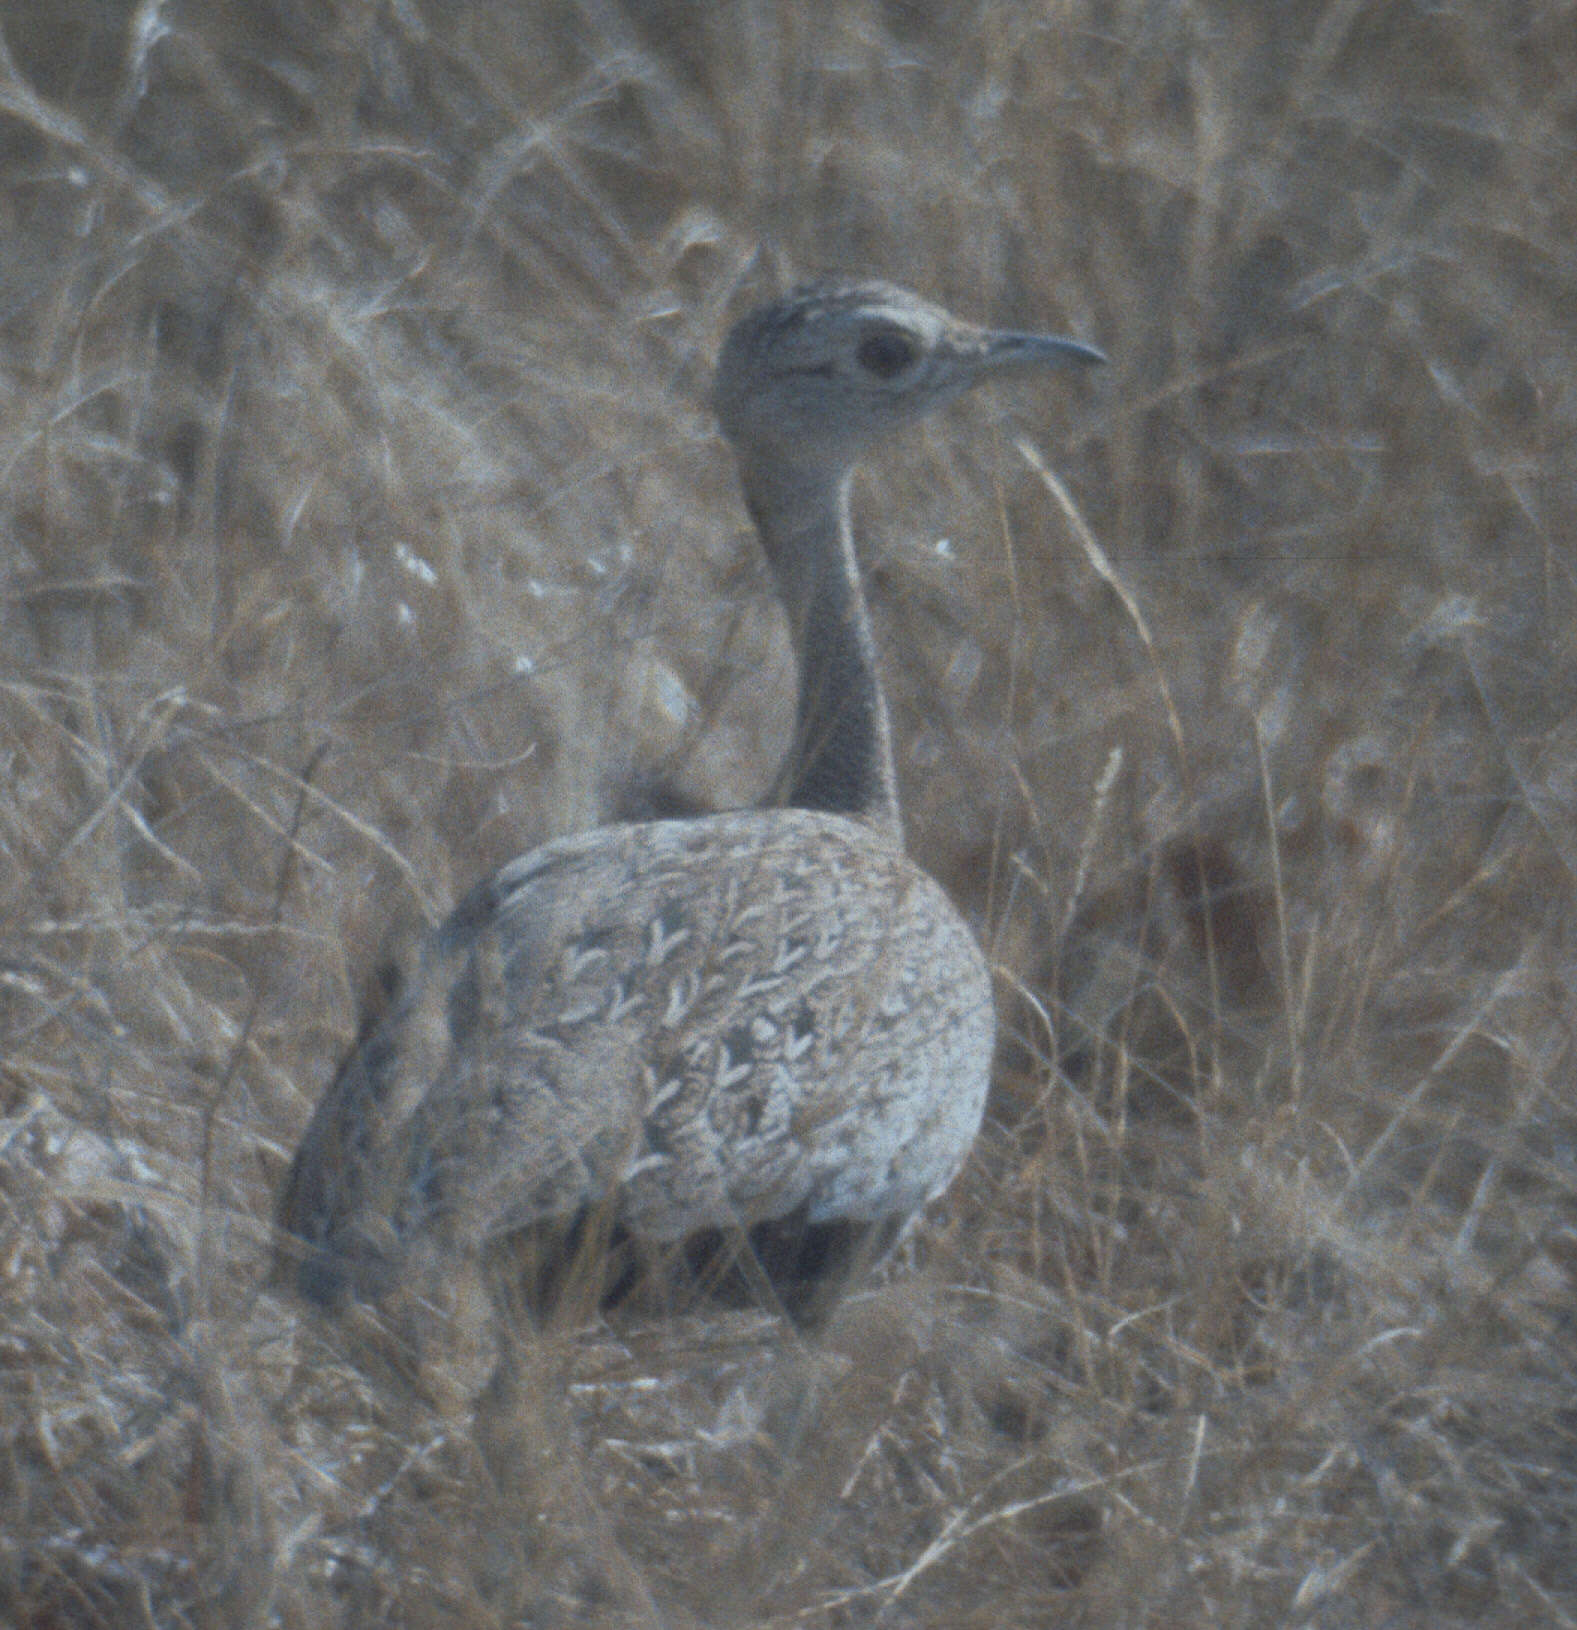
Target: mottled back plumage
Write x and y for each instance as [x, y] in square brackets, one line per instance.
[770, 1019]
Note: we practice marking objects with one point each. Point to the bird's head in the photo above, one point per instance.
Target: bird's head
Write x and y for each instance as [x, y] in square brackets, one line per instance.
[824, 372]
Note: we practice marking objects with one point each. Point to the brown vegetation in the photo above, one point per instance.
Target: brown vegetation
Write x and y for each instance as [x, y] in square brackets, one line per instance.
[363, 524]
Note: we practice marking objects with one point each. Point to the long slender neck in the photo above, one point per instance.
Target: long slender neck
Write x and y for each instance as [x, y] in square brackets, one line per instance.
[842, 758]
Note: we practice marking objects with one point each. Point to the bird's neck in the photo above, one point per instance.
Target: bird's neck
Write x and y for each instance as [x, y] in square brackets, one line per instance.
[842, 757]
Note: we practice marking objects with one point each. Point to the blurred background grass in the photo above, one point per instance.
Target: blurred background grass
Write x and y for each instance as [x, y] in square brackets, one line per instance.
[364, 524]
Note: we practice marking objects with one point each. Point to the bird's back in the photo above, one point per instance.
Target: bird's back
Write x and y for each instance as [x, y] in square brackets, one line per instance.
[697, 1025]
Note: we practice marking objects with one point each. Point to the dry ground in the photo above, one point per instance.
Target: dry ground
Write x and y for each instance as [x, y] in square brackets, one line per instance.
[361, 523]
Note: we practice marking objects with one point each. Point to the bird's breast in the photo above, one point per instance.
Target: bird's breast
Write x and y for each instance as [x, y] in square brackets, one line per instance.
[718, 1021]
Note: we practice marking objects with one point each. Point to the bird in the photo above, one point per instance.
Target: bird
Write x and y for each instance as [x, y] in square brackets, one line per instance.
[762, 1036]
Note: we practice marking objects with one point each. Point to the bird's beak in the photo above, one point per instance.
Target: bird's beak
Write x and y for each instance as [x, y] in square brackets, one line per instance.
[1037, 351]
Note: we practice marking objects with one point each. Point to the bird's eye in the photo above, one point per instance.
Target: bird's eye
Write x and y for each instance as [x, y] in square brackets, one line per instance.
[886, 352]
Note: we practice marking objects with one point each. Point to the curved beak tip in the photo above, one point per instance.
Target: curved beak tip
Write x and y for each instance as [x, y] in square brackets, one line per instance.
[1059, 351]
[1089, 355]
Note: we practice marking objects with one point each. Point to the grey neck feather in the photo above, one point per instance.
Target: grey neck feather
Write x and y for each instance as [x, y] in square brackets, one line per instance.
[842, 758]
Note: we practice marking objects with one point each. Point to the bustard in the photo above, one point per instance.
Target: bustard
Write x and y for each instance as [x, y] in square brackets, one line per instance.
[768, 1028]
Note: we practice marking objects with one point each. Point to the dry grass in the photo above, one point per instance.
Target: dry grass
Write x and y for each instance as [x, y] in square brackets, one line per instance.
[363, 524]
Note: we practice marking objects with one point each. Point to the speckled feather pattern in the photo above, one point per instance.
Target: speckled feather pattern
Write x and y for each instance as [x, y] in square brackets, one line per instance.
[703, 1023]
